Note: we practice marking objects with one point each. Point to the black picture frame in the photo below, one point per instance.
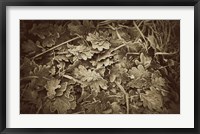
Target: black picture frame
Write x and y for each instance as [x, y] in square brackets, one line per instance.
[5, 3]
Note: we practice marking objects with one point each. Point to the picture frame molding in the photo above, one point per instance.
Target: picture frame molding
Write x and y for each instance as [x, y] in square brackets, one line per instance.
[5, 3]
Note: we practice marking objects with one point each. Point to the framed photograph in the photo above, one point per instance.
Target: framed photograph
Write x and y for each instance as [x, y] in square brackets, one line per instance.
[99, 66]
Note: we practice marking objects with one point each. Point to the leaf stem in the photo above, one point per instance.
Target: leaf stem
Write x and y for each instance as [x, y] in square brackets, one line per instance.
[140, 34]
[72, 78]
[29, 77]
[59, 45]
[123, 26]
[157, 53]
[164, 53]
[118, 47]
[115, 29]
[118, 35]
[80, 112]
[140, 23]
[126, 96]
[38, 110]
[40, 107]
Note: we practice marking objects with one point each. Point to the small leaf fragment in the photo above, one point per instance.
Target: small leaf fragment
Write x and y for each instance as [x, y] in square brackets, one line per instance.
[152, 99]
[51, 86]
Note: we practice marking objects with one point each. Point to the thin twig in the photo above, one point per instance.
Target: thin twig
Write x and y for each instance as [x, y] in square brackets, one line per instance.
[80, 112]
[109, 52]
[29, 77]
[123, 26]
[55, 47]
[66, 52]
[24, 89]
[140, 23]
[119, 47]
[115, 96]
[133, 53]
[126, 96]
[157, 53]
[164, 53]
[118, 35]
[169, 35]
[72, 78]
[111, 27]
[164, 90]
[38, 110]
[115, 29]
[140, 34]
[105, 22]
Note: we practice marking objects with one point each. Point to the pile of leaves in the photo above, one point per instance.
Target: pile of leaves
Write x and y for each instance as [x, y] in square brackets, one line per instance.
[99, 67]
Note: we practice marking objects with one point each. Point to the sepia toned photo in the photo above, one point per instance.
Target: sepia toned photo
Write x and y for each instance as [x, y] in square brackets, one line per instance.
[99, 66]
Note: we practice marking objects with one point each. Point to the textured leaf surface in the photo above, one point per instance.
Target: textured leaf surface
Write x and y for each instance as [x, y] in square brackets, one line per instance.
[93, 79]
[51, 86]
[98, 42]
[76, 27]
[63, 104]
[144, 60]
[99, 66]
[30, 46]
[81, 51]
[152, 100]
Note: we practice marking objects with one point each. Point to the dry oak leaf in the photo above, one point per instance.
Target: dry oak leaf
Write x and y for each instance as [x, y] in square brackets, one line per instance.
[30, 46]
[140, 77]
[47, 107]
[42, 72]
[116, 109]
[40, 30]
[51, 86]
[27, 66]
[152, 99]
[102, 63]
[86, 75]
[139, 83]
[63, 103]
[153, 42]
[49, 42]
[75, 27]
[30, 95]
[95, 85]
[118, 70]
[138, 72]
[52, 70]
[44, 30]
[144, 60]
[93, 79]
[62, 89]
[158, 82]
[98, 42]
[81, 51]
[62, 57]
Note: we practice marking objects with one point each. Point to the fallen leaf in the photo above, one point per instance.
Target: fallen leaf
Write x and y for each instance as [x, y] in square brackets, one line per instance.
[98, 42]
[81, 51]
[144, 60]
[152, 99]
[51, 86]
[62, 89]
[30, 46]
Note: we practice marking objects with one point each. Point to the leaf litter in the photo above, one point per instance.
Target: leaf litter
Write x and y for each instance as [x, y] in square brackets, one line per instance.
[100, 67]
